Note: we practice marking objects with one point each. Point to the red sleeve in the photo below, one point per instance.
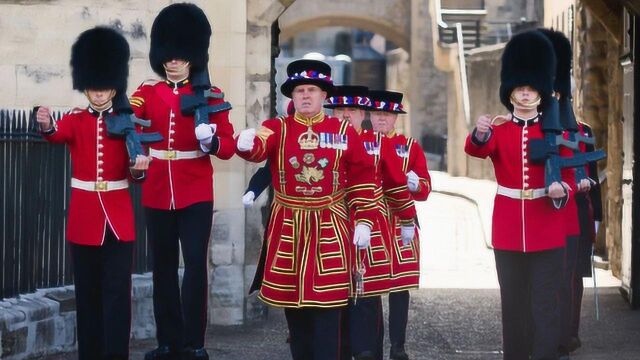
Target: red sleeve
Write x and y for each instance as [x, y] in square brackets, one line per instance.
[63, 130]
[224, 129]
[480, 149]
[394, 184]
[360, 179]
[418, 164]
[138, 101]
[267, 137]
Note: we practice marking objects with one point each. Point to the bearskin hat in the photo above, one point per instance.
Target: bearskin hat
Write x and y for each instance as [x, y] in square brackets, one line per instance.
[528, 59]
[100, 60]
[564, 55]
[180, 31]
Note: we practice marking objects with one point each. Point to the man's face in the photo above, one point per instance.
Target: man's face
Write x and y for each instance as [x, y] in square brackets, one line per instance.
[383, 121]
[176, 66]
[308, 99]
[525, 95]
[353, 115]
[100, 97]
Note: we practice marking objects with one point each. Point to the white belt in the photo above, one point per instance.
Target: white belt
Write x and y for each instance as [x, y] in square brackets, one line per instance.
[99, 185]
[175, 154]
[529, 194]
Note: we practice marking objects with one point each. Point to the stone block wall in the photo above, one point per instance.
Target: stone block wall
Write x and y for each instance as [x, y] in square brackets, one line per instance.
[44, 323]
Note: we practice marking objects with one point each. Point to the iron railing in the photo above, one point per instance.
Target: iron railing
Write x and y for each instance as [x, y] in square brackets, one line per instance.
[34, 195]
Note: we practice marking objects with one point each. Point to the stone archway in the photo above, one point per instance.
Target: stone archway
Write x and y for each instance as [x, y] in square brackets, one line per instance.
[406, 23]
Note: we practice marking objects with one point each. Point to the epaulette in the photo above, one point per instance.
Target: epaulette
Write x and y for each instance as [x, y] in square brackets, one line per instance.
[500, 119]
[150, 82]
[75, 110]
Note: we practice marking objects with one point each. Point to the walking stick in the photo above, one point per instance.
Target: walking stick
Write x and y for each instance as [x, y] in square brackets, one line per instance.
[595, 285]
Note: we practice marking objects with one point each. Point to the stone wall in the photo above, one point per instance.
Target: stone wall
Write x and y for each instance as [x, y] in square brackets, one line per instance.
[44, 323]
[483, 74]
[599, 104]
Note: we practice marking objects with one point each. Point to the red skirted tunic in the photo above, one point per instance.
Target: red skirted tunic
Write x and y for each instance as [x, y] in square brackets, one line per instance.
[406, 155]
[314, 161]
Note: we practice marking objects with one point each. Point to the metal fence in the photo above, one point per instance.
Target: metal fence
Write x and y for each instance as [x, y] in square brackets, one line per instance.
[34, 195]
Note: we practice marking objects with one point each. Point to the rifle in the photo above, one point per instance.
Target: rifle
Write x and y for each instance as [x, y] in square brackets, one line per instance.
[121, 122]
[198, 103]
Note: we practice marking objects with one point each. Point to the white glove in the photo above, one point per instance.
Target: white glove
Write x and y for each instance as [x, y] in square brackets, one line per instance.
[412, 181]
[245, 139]
[362, 236]
[205, 132]
[407, 233]
[248, 198]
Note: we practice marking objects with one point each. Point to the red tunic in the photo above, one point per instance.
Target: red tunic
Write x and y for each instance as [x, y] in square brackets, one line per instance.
[95, 157]
[522, 225]
[175, 184]
[406, 155]
[376, 259]
[317, 165]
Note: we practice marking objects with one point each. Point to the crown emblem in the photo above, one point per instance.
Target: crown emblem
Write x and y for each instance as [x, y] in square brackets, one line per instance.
[308, 140]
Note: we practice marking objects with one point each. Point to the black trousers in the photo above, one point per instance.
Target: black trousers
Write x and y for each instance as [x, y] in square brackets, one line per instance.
[529, 290]
[366, 326]
[102, 276]
[568, 292]
[181, 318]
[398, 317]
[314, 333]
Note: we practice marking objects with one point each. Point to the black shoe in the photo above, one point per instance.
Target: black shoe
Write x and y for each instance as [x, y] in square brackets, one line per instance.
[365, 355]
[163, 352]
[199, 354]
[574, 344]
[397, 353]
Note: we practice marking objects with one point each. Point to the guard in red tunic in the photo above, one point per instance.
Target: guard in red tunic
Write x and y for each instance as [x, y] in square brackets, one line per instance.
[528, 231]
[100, 227]
[318, 164]
[372, 266]
[409, 161]
[193, 118]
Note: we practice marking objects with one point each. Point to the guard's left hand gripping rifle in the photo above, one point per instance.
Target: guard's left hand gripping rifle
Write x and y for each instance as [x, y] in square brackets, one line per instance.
[121, 123]
[547, 150]
[198, 104]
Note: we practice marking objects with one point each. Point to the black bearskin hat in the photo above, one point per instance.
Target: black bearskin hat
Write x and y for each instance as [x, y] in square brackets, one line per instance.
[100, 60]
[564, 55]
[180, 31]
[562, 84]
[528, 59]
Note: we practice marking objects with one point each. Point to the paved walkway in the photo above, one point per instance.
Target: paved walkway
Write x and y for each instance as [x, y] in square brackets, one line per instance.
[456, 313]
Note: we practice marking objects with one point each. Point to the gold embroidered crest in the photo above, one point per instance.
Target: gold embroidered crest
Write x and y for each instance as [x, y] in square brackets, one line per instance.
[310, 175]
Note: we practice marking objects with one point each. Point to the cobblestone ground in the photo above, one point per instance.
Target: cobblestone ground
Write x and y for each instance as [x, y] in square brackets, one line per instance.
[456, 313]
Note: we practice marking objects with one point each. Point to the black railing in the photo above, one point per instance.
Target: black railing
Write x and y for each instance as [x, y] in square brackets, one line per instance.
[34, 194]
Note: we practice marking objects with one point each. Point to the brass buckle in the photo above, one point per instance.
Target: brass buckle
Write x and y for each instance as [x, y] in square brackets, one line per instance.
[527, 194]
[101, 186]
[171, 154]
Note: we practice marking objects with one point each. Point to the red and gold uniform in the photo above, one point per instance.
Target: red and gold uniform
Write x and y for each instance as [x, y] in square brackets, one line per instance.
[406, 155]
[377, 258]
[99, 195]
[180, 174]
[317, 164]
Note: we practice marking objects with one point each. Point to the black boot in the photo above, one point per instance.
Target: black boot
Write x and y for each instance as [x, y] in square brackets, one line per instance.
[365, 355]
[199, 354]
[163, 352]
[397, 353]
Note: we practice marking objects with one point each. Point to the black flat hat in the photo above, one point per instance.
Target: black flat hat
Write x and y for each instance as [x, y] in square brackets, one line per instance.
[349, 96]
[387, 101]
[313, 72]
